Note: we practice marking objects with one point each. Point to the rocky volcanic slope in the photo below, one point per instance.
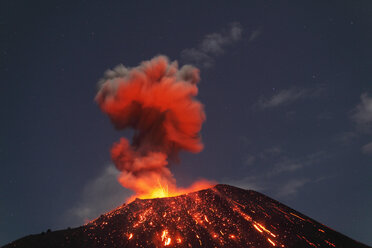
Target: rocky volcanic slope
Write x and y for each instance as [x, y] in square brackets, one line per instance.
[222, 216]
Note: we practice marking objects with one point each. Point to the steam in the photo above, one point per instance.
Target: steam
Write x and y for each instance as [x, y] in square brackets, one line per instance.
[156, 99]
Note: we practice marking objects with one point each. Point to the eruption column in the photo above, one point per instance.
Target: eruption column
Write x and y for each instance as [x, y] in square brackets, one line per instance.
[156, 99]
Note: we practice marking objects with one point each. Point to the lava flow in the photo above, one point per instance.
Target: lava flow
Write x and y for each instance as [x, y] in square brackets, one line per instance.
[222, 216]
[157, 100]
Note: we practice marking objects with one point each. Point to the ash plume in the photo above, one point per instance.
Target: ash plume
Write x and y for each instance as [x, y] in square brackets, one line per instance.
[157, 100]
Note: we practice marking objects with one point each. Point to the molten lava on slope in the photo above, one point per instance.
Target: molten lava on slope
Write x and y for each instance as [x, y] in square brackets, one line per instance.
[222, 216]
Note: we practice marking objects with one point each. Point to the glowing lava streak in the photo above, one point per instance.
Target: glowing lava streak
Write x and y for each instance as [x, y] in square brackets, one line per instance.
[258, 229]
[157, 100]
[271, 242]
[164, 237]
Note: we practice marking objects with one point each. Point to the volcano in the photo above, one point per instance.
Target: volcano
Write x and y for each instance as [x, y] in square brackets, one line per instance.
[221, 216]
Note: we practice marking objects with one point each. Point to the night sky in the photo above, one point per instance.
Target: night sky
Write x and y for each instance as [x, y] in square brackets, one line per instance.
[287, 89]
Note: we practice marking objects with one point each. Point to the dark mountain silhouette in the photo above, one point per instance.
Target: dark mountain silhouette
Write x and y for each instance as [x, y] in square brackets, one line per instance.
[222, 216]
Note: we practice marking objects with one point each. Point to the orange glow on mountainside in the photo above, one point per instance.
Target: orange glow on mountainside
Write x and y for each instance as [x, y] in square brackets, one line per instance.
[222, 217]
[165, 190]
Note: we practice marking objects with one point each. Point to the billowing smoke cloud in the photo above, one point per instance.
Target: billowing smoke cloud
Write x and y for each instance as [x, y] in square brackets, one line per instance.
[156, 99]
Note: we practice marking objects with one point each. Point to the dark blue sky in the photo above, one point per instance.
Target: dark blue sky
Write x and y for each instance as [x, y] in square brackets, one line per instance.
[288, 104]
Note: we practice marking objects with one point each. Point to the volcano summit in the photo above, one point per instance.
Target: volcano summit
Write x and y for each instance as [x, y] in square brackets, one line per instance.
[222, 216]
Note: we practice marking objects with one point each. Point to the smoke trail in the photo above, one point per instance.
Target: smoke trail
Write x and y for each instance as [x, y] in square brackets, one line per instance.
[156, 99]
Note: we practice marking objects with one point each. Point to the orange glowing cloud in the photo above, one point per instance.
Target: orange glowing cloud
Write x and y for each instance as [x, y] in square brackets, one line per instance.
[157, 100]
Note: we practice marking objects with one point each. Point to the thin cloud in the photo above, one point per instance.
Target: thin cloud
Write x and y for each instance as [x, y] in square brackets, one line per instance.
[212, 46]
[284, 175]
[345, 137]
[280, 189]
[289, 165]
[362, 114]
[367, 148]
[100, 195]
[197, 57]
[249, 182]
[292, 187]
[249, 160]
[255, 34]
[287, 96]
[362, 117]
[286, 165]
[270, 152]
[283, 97]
